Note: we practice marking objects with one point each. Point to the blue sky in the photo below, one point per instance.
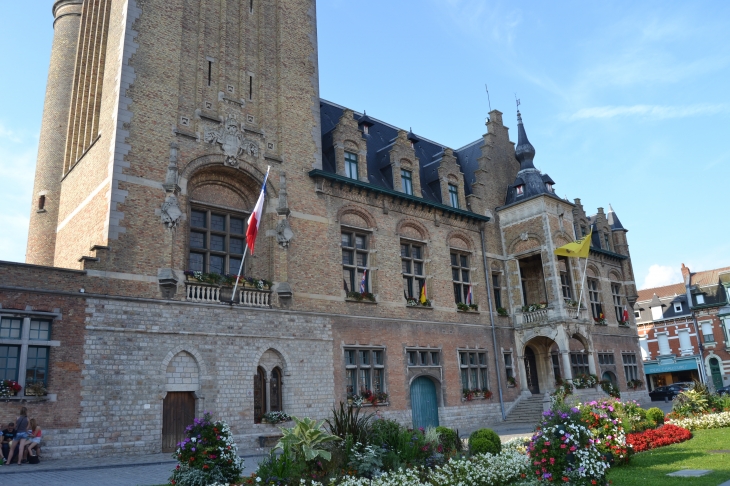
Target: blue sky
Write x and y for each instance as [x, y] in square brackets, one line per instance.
[626, 103]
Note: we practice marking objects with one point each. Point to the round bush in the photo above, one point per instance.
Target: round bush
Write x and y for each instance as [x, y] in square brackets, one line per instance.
[484, 440]
[655, 415]
[447, 438]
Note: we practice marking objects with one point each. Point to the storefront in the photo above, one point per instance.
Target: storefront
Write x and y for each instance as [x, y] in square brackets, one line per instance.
[671, 370]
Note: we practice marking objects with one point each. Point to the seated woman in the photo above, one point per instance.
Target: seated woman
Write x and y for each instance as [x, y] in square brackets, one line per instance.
[21, 434]
[34, 438]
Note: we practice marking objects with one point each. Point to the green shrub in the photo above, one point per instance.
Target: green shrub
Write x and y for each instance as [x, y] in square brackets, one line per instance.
[484, 440]
[655, 415]
[279, 466]
[348, 421]
[691, 402]
[448, 439]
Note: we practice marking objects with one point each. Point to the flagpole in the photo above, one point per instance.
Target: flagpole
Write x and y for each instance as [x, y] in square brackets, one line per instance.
[582, 286]
[238, 275]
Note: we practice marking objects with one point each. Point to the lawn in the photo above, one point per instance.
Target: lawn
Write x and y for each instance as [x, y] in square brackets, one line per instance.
[650, 468]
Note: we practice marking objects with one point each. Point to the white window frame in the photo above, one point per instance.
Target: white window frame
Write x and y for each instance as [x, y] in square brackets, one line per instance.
[657, 314]
[677, 307]
[704, 326]
[700, 299]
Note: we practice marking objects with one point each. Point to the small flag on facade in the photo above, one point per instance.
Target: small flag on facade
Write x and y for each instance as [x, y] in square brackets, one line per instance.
[423, 293]
[579, 248]
[255, 219]
[362, 282]
[469, 297]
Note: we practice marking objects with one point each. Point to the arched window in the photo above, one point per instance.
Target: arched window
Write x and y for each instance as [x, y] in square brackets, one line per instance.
[259, 395]
[275, 386]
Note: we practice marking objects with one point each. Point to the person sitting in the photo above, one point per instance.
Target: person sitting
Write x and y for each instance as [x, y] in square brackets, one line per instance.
[21, 434]
[34, 439]
[7, 439]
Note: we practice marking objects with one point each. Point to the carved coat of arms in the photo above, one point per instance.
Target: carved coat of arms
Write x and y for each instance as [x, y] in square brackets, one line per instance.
[232, 142]
[170, 213]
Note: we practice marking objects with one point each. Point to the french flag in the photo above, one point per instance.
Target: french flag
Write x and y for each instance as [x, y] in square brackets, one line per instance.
[255, 219]
[469, 297]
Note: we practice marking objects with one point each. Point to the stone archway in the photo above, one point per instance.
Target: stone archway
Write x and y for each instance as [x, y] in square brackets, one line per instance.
[537, 365]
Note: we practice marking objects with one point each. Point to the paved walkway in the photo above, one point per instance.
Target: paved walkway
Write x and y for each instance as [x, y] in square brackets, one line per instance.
[151, 469]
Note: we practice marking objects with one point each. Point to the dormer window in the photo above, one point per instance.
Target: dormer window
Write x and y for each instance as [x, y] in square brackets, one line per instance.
[351, 165]
[406, 177]
[520, 189]
[700, 299]
[656, 313]
[366, 129]
[677, 307]
[549, 187]
[454, 196]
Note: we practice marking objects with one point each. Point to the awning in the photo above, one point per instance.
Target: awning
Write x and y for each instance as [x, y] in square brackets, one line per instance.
[683, 365]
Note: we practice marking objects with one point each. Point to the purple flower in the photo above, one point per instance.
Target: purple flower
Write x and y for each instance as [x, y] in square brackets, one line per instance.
[547, 476]
[193, 449]
[574, 410]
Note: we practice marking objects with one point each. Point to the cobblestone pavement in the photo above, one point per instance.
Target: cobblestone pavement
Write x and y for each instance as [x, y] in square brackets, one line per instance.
[134, 471]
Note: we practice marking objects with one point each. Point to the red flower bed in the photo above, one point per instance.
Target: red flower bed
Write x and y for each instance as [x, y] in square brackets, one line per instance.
[653, 438]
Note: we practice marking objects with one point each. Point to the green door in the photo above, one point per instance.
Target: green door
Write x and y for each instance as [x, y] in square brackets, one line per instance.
[715, 372]
[424, 404]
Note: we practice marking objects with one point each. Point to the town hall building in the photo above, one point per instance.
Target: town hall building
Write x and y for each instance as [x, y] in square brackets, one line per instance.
[388, 268]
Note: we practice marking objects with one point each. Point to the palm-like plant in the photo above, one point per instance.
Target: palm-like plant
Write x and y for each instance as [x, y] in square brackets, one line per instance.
[304, 439]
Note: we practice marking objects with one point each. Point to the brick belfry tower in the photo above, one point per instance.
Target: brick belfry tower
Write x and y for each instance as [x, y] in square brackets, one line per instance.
[49, 169]
[153, 106]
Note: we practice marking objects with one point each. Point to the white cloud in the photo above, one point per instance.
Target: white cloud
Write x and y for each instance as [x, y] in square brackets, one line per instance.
[658, 112]
[661, 275]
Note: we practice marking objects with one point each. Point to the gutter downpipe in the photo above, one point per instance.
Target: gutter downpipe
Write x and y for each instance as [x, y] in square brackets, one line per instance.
[491, 319]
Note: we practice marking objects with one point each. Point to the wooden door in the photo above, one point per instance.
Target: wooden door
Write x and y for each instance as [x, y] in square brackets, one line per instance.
[259, 395]
[178, 411]
[424, 403]
[531, 371]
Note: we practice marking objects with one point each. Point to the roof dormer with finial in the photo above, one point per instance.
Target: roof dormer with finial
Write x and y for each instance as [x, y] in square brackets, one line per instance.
[530, 182]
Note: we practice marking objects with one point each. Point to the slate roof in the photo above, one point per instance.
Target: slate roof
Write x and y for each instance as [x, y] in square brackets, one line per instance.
[381, 138]
[613, 220]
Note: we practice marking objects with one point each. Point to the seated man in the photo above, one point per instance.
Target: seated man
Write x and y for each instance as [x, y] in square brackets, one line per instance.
[8, 436]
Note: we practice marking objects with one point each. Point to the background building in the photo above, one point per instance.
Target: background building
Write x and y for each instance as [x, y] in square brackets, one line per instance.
[149, 166]
[683, 329]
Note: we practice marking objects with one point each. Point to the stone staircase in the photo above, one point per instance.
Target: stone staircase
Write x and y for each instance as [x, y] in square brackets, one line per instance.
[527, 412]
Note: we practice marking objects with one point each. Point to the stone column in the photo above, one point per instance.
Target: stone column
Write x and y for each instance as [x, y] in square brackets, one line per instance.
[591, 361]
[523, 373]
[54, 127]
[567, 370]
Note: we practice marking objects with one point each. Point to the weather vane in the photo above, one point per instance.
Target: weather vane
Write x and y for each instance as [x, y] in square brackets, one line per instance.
[517, 101]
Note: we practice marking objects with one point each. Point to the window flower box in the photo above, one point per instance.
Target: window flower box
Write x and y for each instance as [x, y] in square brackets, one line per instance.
[460, 306]
[366, 297]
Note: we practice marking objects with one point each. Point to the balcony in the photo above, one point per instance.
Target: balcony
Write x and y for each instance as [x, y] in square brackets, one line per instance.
[214, 294]
[525, 319]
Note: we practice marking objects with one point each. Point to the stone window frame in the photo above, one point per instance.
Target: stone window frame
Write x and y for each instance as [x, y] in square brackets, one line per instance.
[368, 251]
[463, 284]
[351, 359]
[606, 359]
[227, 234]
[579, 366]
[24, 342]
[617, 296]
[412, 274]
[496, 289]
[406, 181]
[350, 163]
[509, 366]
[631, 366]
[453, 195]
[468, 368]
[422, 357]
[594, 297]
[566, 282]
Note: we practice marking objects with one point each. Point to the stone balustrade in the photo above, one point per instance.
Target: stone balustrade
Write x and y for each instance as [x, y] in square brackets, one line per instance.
[212, 294]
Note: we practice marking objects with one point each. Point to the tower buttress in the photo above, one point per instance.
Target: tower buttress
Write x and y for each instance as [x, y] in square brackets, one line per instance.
[54, 127]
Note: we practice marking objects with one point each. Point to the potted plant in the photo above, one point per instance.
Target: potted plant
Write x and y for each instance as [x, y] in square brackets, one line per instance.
[382, 397]
[467, 307]
[511, 382]
[274, 418]
[487, 394]
[360, 296]
[36, 389]
[9, 388]
[571, 303]
[634, 384]
[502, 311]
[467, 394]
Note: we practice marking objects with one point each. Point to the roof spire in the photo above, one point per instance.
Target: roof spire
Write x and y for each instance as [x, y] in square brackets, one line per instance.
[524, 151]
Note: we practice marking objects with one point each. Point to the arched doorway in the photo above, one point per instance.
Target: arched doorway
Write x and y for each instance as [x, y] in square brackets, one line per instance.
[424, 403]
[715, 372]
[533, 384]
[609, 376]
[259, 395]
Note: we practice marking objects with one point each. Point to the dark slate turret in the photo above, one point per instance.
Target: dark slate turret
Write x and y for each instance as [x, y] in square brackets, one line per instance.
[529, 182]
[613, 220]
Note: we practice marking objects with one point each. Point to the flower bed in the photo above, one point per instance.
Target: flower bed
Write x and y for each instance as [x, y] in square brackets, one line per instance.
[602, 420]
[653, 438]
[707, 421]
